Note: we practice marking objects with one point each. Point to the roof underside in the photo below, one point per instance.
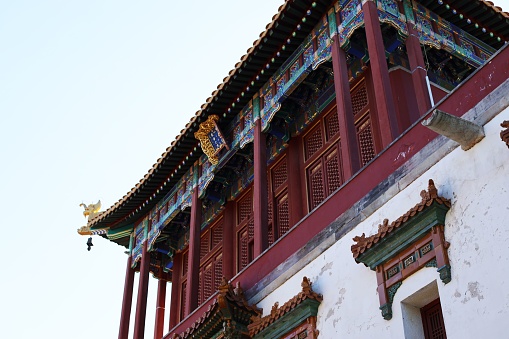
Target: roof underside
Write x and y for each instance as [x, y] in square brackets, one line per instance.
[159, 180]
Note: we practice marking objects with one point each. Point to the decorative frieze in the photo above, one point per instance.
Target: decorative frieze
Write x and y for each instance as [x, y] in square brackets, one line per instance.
[413, 241]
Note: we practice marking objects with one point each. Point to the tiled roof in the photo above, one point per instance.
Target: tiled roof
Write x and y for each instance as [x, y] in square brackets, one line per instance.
[428, 197]
[157, 182]
[259, 323]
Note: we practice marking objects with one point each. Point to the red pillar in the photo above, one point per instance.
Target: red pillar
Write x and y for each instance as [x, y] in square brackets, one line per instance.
[380, 75]
[349, 143]
[175, 290]
[141, 304]
[193, 268]
[126, 301]
[261, 238]
[418, 69]
[228, 240]
[160, 307]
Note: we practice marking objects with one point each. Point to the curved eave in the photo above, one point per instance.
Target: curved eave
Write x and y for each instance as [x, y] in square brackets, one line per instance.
[482, 12]
[158, 181]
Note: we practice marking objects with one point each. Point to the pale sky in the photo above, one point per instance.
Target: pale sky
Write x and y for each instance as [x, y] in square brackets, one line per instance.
[91, 94]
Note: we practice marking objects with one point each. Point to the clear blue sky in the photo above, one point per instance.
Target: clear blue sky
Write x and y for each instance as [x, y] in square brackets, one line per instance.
[91, 94]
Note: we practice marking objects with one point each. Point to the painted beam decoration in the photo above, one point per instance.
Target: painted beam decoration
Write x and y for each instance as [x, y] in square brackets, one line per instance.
[413, 241]
[315, 50]
[211, 138]
[140, 235]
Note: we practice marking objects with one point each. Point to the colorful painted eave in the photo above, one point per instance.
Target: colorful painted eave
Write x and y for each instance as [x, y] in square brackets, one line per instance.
[158, 182]
[184, 150]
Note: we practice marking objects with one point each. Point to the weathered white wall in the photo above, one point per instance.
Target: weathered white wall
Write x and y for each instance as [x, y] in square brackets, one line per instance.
[475, 303]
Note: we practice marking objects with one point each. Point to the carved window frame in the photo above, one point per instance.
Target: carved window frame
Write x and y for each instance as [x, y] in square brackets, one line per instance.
[413, 241]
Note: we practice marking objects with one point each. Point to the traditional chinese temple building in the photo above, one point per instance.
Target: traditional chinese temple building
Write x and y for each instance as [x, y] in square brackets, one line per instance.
[329, 129]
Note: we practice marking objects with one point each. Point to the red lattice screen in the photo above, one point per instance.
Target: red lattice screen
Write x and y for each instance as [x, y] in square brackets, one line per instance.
[204, 245]
[365, 137]
[324, 173]
[331, 124]
[315, 184]
[185, 262]
[360, 104]
[279, 174]
[359, 99]
[217, 233]
[313, 142]
[245, 230]
[183, 301]
[433, 321]
[283, 214]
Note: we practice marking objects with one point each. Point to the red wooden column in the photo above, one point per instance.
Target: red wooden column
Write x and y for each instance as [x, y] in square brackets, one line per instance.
[127, 301]
[228, 240]
[261, 238]
[193, 268]
[160, 307]
[380, 74]
[349, 144]
[141, 304]
[175, 290]
[418, 69]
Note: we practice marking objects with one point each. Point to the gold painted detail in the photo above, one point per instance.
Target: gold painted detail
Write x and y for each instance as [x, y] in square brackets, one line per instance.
[84, 230]
[204, 134]
[91, 210]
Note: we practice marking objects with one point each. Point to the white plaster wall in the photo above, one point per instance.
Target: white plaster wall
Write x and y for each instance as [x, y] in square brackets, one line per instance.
[476, 302]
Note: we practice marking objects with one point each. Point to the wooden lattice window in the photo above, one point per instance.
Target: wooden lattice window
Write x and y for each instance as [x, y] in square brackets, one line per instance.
[363, 125]
[323, 164]
[245, 230]
[279, 204]
[183, 296]
[185, 262]
[433, 321]
[283, 214]
[211, 261]
[313, 141]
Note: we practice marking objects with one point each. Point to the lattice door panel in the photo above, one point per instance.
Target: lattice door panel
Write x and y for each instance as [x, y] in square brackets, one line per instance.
[365, 138]
[204, 245]
[245, 207]
[360, 99]
[433, 321]
[183, 301]
[217, 233]
[185, 262]
[283, 214]
[331, 124]
[200, 287]
[333, 170]
[313, 141]
[316, 184]
[208, 282]
[279, 174]
[243, 242]
[218, 271]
